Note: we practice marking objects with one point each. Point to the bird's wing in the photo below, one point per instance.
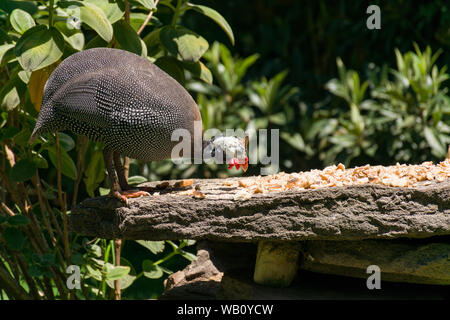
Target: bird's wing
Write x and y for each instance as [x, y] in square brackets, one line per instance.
[90, 98]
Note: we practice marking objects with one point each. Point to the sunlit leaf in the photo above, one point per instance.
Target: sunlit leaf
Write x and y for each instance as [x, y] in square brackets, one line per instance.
[154, 246]
[126, 280]
[151, 270]
[39, 47]
[437, 147]
[149, 4]
[21, 20]
[113, 272]
[93, 16]
[73, 36]
[114, 10]
[135, 180]
[183, 43]
[199, 70]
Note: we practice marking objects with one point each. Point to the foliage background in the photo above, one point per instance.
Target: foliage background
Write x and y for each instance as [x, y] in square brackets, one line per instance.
[337, 91]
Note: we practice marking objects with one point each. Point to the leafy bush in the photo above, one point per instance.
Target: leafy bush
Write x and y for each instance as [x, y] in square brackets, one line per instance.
[39, 183]
[406, 117]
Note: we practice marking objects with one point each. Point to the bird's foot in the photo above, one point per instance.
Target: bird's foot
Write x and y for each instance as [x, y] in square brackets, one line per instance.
[123, 196]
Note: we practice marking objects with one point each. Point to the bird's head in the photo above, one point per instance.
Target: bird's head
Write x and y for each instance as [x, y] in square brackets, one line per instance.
[231, 150]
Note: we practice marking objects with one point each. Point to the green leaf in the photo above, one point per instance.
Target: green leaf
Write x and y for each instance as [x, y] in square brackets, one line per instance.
[11, 92]
[154, 246]
[149, 4]
[151, 270]
[294, 140]
[199, 70]
[9, 97]
[188, 255]
[94, 250]
[3, 219]
[77, 258]
[113, 272]
[183, 43]
[356, 118]
[170, 65]
[126, 280]
[92, 16]
[94, 273]
[103, 191]
[153, 42]
[22, 137]
[8, 6]
[94, 173]
[23, 170]
[128, 39]
[216, 17]
[74, 37]
[35, 271]
[18, 220]
[437, 147]
[114, 10]
[137, 180]
[10, 132]
[66, 141]
[138, 18]
[4, 48]
[68, 167]
[278, 118]
[39, 47]
[96, 42]
[187, 242]
[21, 20]
[24, 76]
[40, 161]
[14, 238]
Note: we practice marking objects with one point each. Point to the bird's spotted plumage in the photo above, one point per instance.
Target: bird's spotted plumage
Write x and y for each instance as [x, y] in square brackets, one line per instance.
[119, 98]
[124, 101]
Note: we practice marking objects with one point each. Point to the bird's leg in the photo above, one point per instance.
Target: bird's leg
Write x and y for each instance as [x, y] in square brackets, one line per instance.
[115, 186]
[120, 172]
[127, 191]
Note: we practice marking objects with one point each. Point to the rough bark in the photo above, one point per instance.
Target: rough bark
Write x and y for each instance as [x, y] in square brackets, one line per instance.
[338, 213]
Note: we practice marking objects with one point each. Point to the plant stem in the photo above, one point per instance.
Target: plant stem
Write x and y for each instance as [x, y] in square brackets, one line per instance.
[62, 201]
[147, 19]
[50, 13]
[81, 161]
[127, 11]
[177, 13]
[117, 249]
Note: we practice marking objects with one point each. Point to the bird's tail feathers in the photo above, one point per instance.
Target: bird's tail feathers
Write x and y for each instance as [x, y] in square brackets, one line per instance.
[45, 123]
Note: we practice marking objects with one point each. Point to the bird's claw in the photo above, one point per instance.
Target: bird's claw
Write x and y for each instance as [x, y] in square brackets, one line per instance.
[123, 196]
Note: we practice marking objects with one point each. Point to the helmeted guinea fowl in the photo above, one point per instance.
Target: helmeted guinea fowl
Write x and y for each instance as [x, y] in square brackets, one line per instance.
[129, 104]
